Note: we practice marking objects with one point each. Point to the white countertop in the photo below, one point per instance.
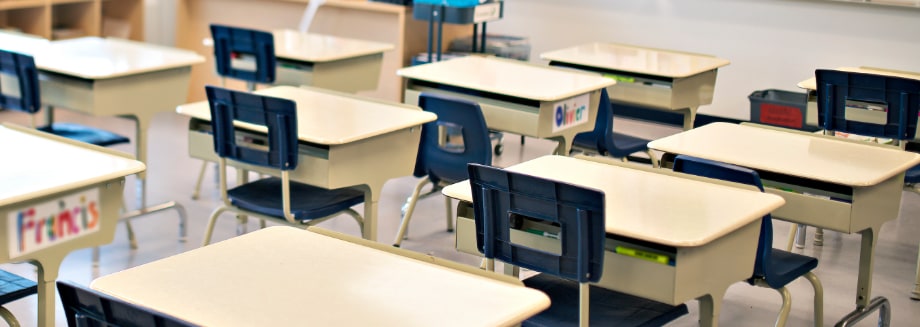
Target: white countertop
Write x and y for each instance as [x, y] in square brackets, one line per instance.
[329, 117]
[652, 207]
[282, 276]
[628, 58]
[811, 83]
[797, 154]
[308, 47]
[101, 58]
[508, 77]
[35, 164]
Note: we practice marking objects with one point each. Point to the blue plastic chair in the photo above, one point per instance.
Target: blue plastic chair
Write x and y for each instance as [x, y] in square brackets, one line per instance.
[85, 307]
[12, 288]
[605, 141]
[457, 138]
[840, 92]
[773, 268]
[233, 43]
[276, 199]
[28, 100]
[501, 197]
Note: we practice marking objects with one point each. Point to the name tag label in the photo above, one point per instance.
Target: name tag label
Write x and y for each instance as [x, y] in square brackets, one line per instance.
[571, 112]
[487, 12]
[53, 222]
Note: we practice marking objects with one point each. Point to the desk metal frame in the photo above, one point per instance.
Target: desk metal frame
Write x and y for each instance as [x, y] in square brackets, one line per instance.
[48, 260]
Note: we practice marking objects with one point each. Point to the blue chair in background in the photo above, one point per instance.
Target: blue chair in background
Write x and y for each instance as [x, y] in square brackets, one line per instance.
[500, 197]
[276, 199]
[85, 308]
[12, 288]
[871, 105]
[773, 268]
[240, 43]
[26, 97]
[459, 136]
[605, 141]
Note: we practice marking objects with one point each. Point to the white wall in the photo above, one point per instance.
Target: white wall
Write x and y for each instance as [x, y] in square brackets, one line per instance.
[771, 43]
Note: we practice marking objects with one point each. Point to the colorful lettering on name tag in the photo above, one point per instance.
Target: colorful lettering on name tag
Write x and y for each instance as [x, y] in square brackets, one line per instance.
[571, 112]
[45, 224]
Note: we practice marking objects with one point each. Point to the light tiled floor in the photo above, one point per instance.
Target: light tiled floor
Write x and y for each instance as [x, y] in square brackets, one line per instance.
[172, 173]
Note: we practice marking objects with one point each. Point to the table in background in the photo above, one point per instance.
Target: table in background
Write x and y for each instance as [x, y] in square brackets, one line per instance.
[841, 185]
[114, 77]
[56, 196]
[282, 276]
[345, 141]
[647, 77]
[708, 232]
[515, 97]
[329, 62]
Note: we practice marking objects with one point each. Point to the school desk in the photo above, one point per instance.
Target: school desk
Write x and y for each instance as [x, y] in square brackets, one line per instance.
[115, 77]
[705, 234]
[56, 196]
[841, 185]
[345, 141]
[515, 96]
[329, 62]
[647, 77]
[283, 276]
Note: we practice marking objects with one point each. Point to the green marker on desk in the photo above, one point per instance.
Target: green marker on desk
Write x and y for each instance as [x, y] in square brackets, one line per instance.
[542, 233]
[653, 257]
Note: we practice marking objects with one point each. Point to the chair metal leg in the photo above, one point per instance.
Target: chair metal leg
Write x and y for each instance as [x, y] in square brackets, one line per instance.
[211, 222]
[8, 316]
[819, 236]
[653, 159]
[819, 298]
[784, 310]
[197, 190]
[450, 214]
[132, 241]
[407, 215]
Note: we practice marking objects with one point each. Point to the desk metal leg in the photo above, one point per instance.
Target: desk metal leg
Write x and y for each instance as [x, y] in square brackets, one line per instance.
[864, 307]
[915, 293]
[371, 196]
[710, 307]
[140, 140]
[689, 118]
[47, 274]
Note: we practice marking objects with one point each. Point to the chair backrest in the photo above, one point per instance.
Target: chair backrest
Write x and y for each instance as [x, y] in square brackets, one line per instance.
[85, 307]
[277, 115]
[868, 104]
[231, 42]
[602, 135]
[459, 136]
[501, 197]
[741, 175]
[27, 97]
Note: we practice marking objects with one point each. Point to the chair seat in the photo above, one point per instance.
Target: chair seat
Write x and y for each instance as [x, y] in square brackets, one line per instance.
[85, 134]
[13, 287]
[608, 308]
[307, 202]
[624, 145]
[912, 176]
[787, 266]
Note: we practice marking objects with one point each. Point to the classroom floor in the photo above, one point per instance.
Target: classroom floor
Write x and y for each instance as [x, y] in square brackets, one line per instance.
[172, 174]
